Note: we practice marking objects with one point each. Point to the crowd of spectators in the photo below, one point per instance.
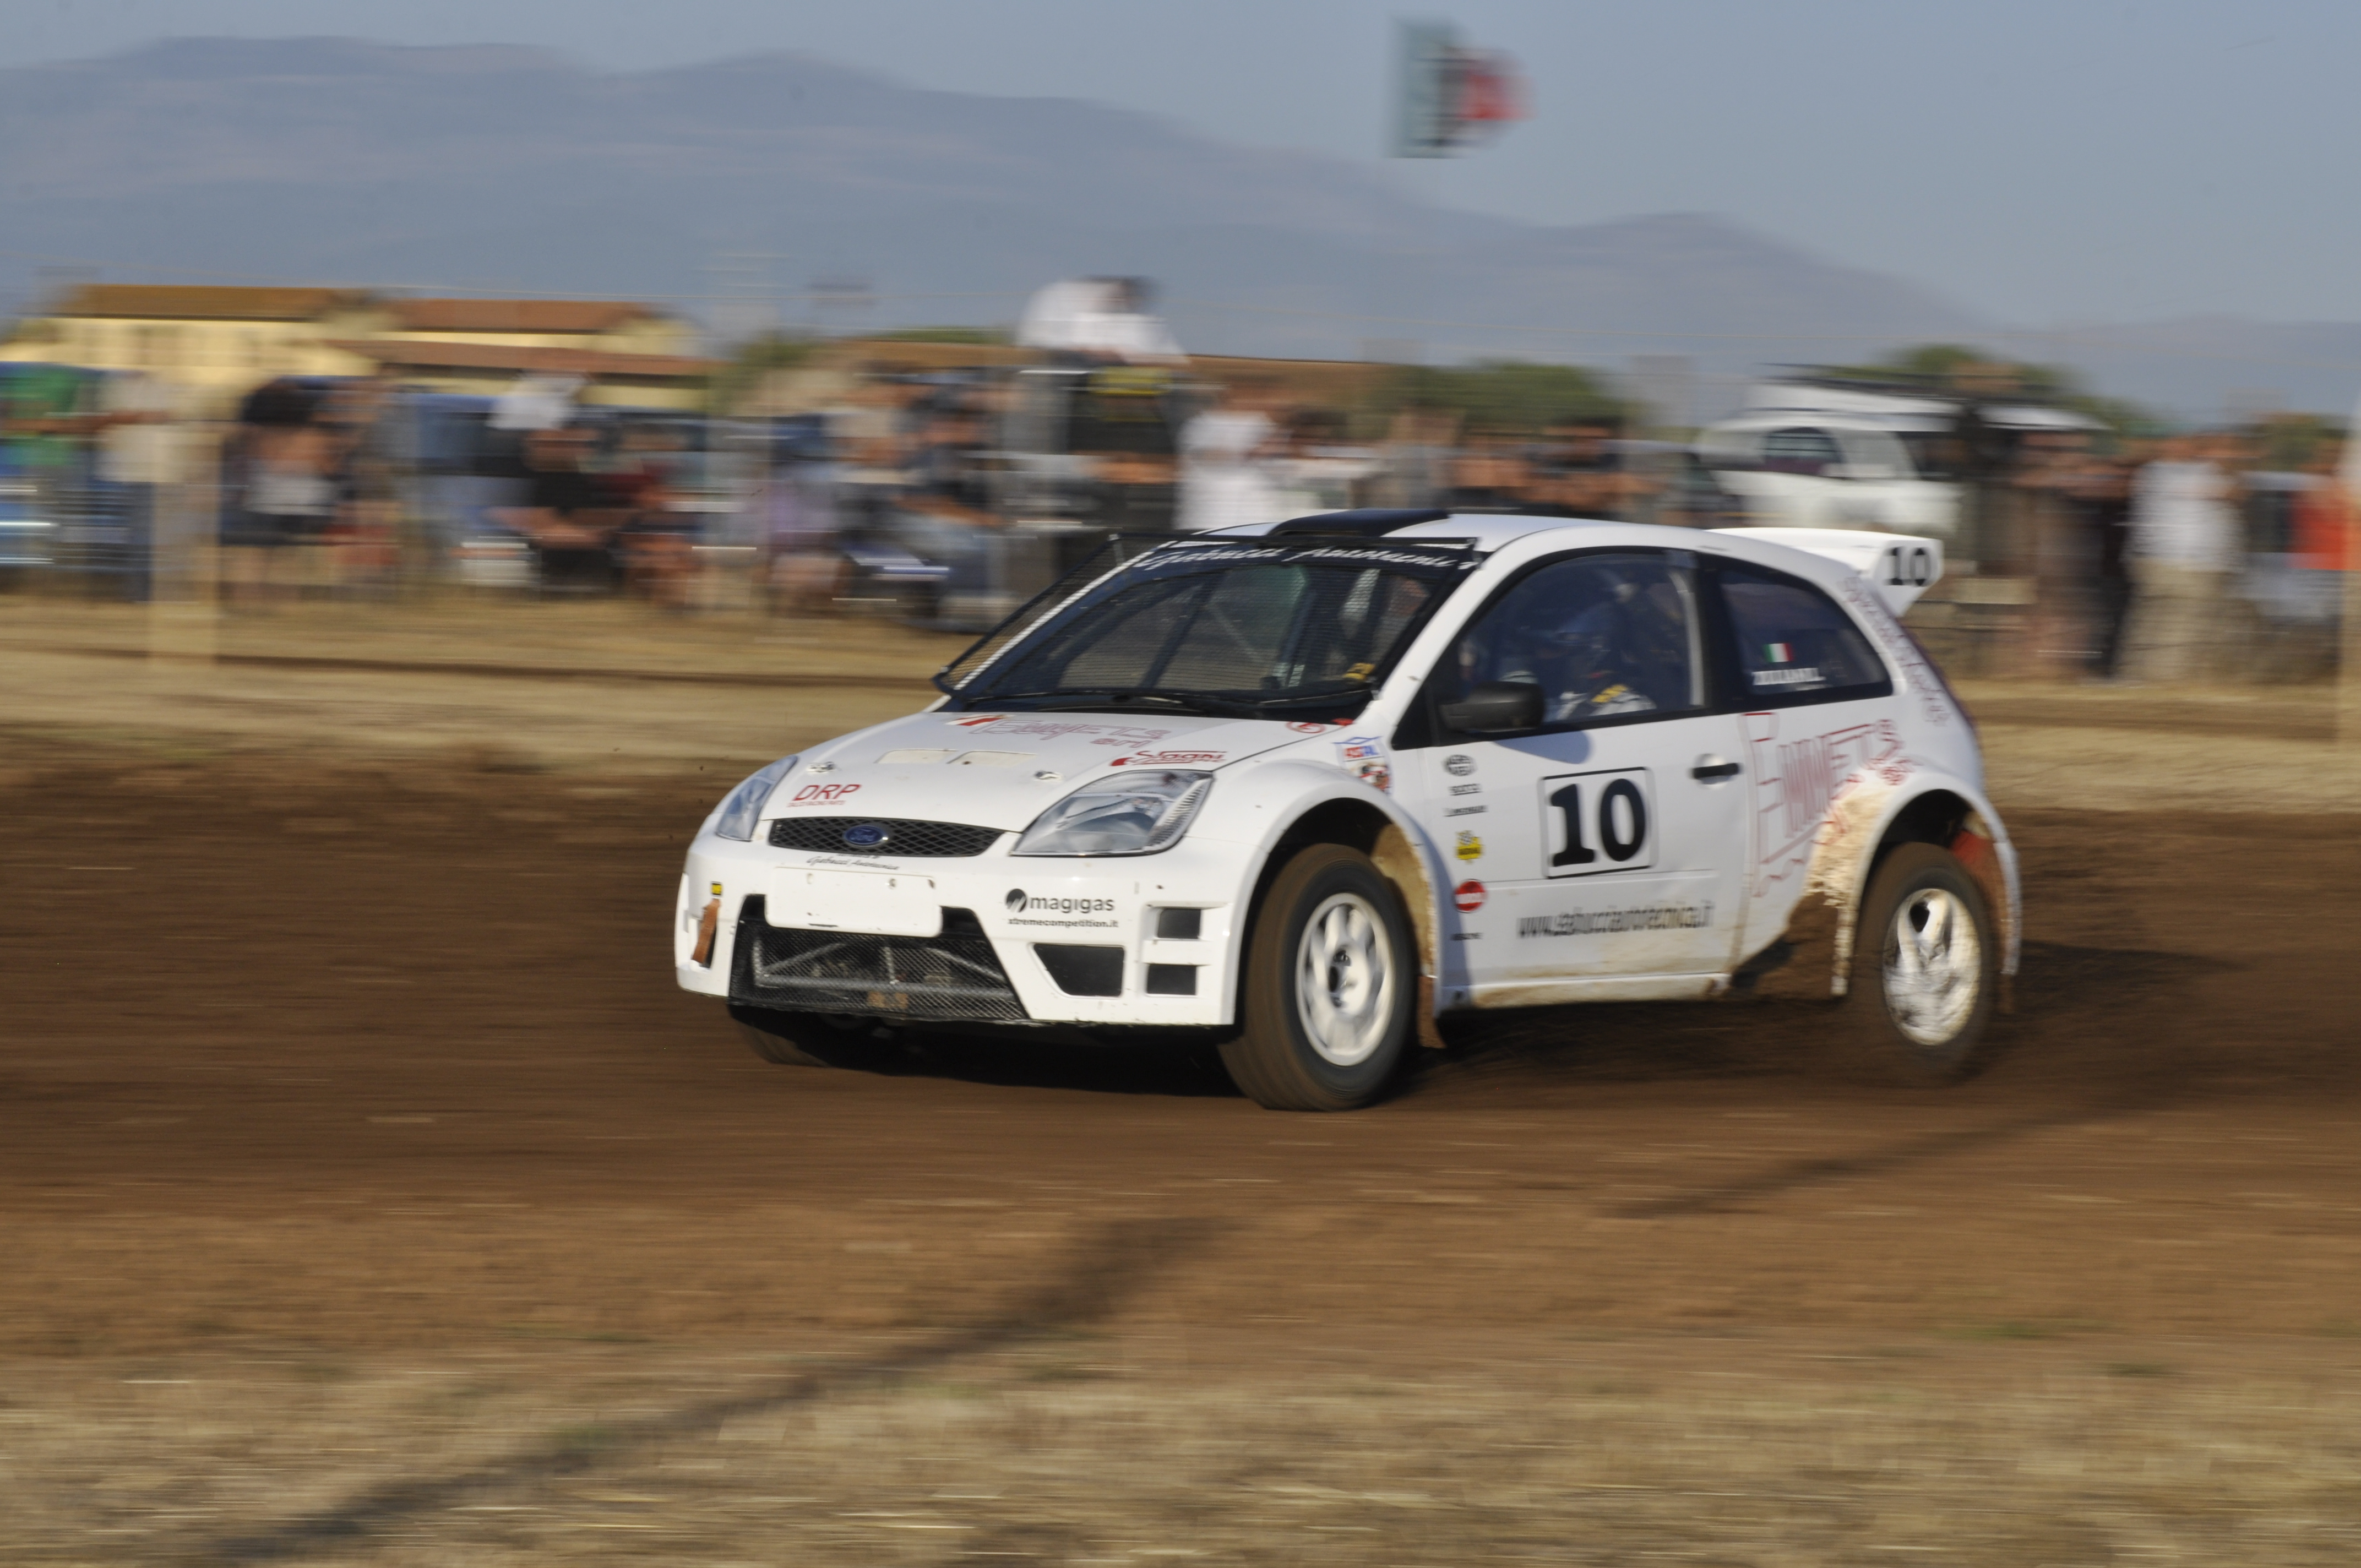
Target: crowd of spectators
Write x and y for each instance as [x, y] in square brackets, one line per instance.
[2187, 558]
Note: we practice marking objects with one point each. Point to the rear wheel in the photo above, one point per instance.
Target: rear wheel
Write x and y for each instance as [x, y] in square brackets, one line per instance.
[1926, 968]
[1331, 977]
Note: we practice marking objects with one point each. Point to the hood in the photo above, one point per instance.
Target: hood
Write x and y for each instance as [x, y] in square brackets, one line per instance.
[987, 768]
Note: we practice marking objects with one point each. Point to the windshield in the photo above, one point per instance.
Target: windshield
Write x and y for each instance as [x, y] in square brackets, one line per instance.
[1242, 628]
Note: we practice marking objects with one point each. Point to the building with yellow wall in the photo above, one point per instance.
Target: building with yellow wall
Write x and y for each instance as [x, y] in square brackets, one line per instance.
[215, 343]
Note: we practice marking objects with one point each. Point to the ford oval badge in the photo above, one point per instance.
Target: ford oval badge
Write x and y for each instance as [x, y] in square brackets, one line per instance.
[866, 836]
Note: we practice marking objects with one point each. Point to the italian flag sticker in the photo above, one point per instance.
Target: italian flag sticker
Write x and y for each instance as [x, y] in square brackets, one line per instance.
[1777, 653]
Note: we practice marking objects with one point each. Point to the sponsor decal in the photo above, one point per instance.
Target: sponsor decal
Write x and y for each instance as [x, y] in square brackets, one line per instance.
[1167, 759]
[1467, 936]
[1900, 647]
[1467, 789]
[1610, 921]
[1309, 727]
[1458, 764]
[717, 890]
[1799, 782]
[1470, 847]
[1019, 902]
[1466, 811]
[866, 836]
[1801, 676]
[1467, 897]
[823, 795]
[1010, 726]
[1364, 756]
[866, 865]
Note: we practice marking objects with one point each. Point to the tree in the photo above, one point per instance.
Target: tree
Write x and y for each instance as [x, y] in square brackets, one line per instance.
[1504, 396]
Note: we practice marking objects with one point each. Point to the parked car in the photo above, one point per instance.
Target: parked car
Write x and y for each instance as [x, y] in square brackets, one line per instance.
[1814, 453]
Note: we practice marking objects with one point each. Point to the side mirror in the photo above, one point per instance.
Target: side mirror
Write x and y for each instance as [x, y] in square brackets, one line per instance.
[1496, 707]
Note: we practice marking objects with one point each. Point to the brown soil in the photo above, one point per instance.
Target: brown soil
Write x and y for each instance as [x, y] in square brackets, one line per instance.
[362, 1168]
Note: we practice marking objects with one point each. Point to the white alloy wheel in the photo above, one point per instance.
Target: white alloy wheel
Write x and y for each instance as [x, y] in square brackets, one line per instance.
[1933, 966]
[1345, 979]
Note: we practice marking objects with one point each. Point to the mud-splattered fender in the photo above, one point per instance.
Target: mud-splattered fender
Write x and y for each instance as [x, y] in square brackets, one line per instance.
[1812, 956]
[1286, 792]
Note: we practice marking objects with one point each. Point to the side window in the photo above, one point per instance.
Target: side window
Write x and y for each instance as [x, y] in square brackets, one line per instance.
[1605, 636]
[1803, 449]
[1794, 644]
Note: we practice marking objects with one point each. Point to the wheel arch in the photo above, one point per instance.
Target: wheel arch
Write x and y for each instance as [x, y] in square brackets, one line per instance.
[1337, 811]
[1812, 956]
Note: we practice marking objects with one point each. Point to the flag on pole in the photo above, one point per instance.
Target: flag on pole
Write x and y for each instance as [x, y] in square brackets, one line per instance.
[1451, 97]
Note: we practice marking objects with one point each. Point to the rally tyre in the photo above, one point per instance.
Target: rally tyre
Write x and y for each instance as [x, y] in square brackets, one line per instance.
[1926, 970]
[800, 1040]
[1331, 976]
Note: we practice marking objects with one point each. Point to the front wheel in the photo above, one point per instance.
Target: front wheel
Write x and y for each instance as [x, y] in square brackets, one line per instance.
[1331, 978]
[1926, 968]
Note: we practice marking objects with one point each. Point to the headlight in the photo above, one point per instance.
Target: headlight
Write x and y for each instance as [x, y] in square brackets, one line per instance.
[738, 813]
[1135, 815]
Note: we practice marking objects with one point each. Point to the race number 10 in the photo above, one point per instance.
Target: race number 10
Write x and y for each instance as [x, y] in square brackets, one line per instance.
[1910, 567]
[1597, 823]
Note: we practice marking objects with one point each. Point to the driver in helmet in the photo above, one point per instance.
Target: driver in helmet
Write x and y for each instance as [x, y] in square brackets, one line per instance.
[1576, 659]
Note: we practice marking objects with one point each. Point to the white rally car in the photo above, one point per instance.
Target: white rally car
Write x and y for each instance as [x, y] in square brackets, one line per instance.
[1301, 789]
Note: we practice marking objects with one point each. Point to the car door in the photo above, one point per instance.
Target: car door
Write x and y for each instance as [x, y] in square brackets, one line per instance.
[1608, 839]
[1818, 724]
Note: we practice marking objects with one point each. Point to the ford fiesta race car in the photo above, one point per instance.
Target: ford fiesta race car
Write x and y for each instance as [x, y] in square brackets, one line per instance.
[1301, 789]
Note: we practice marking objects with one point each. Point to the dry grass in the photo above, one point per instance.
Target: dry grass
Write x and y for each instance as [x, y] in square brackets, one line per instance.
[1087, 1450]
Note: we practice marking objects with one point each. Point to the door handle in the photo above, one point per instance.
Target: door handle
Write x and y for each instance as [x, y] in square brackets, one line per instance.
[1713, 770]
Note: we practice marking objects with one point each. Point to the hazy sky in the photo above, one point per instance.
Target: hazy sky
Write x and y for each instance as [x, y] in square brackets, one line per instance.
[2045, 161]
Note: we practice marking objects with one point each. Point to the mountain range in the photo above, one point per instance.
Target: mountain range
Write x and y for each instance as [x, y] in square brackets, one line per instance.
[732, 189]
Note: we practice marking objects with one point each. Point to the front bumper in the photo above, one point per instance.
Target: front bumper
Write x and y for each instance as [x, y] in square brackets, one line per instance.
[1002, 911]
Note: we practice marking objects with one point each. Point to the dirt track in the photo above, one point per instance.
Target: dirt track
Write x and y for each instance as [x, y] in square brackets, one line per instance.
[376, 1068]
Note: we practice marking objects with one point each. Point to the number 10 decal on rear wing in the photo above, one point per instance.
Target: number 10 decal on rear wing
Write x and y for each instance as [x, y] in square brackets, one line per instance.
[1899, 567]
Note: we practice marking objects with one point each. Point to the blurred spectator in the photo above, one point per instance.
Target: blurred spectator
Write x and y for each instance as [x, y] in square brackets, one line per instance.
[2184, 545]
[797, 507]
[2097, 493]
[1491, 474]
[1579, 471]
[1227, 453]
[1314, 469]
[1098, 319]
[137, 448]
[362, 456]
[284, 458]
[536, 401]
[656, 541]
[2325, 547]
[569, 519]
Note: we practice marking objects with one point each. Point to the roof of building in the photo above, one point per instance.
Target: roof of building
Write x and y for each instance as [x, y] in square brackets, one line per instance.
[426, 354]
[206, 302]
[516, 315]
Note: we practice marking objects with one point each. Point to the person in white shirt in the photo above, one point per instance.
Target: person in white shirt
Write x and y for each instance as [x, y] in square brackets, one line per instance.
[1227, 457]
[2184, 545]
[1098, 319]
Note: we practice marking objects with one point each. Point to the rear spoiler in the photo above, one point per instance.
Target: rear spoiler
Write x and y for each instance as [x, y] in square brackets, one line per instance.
[1900, 566]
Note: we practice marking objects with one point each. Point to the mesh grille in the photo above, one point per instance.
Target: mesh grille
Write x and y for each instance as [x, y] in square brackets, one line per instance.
[913, 840]
[954, 977]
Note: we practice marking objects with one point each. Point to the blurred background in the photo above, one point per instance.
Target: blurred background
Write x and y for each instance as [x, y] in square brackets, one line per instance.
[443, 447]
